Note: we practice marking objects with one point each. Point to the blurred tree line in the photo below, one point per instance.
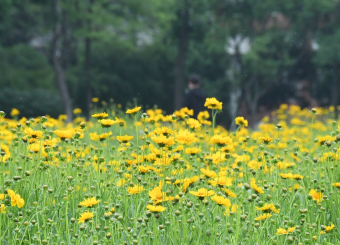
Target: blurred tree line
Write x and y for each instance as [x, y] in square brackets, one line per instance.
[252, 55]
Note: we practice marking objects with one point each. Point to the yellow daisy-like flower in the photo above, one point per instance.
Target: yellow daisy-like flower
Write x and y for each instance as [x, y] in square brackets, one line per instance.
[256, 187]
[163, 140]
[316, 195]
[327, 228]
[100, 115]
[14, 112]
[65, 134]
[266, 139]
[133, 111]
[35, 134]
[220, 140]
[263, 217]
[268, 208]
[106, 123]
[281, 231]
[192, 151]
[2, 208]
[157, 195]
[104, 136]
[124, 139]
[202, 193]
[156, 209]
[95, 100]
[222, 201]
[85, 216]
[77, 111]
[193, 123]
[16, 200]
[208, 173]
[213, 103]
[135, 189]
[337, 185]
[228, 192]
[90, 202]
[241, 121]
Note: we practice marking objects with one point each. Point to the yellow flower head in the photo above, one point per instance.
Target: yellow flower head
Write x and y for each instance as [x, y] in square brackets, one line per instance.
[124, 139]
[241, 121]
[100, 115]
[156, 209]
[14, 112]
[90, 202]
[222, 201]
[263, 217]
[65, 134]
[133, 111]
[35, 134]
[193, 123]
[202, 193]
[163, 140]
[16, 200]
[213, 103]
[135, 189]
[316, 195]
[106, 123]
[85, 216]
[220, 140]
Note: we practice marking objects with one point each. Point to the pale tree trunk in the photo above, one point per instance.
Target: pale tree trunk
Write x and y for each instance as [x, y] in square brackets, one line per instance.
[56, 53]
[181, 56]
[87, 62]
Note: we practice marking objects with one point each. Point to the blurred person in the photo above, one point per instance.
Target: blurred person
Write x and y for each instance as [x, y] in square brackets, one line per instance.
[195, 97]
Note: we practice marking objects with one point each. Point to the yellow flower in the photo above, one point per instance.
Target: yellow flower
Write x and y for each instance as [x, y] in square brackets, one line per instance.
[203, 116]
[100, 115]
[3, 208]
[281, 231]
[16, 200]
[14, 112]
[65, 134]
[291, 176]
[133, 111]
[255, 187]
[220, 140]
[157, 195]
[213, 103]
[208, 173]
[192, 151]
[337, 185]
[185, 137]
[228, 192]
[85, 216]
[202, 193]
[95, 100]
[94, 136]
[221, 201]
[104, 136]
[316, 195]
[327, 228]
[106, 123]
[163, 140]
[263, 217]
[124, 139]
[221, 181]
[241, 121]
[135, 189]
[156, 209]
[33, 133]
[268, 208]
[164, 130]
[77, 111]
[90, 202]
[193, 123]
[266, 139]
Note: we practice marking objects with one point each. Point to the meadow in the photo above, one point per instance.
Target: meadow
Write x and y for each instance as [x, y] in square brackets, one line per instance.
[143, 177]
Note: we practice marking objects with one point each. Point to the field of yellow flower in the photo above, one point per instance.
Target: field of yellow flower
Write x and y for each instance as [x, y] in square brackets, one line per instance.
[142, 177]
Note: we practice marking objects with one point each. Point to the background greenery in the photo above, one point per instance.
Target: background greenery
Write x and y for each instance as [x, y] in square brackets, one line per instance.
[128, 49]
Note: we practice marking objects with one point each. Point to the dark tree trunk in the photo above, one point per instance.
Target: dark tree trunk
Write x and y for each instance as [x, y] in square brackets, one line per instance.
[181, 56]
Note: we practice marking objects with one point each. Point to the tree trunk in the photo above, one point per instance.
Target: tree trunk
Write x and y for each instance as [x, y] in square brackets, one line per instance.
[87, 65]
[87, 77]
[180, 60]
[57, 64]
